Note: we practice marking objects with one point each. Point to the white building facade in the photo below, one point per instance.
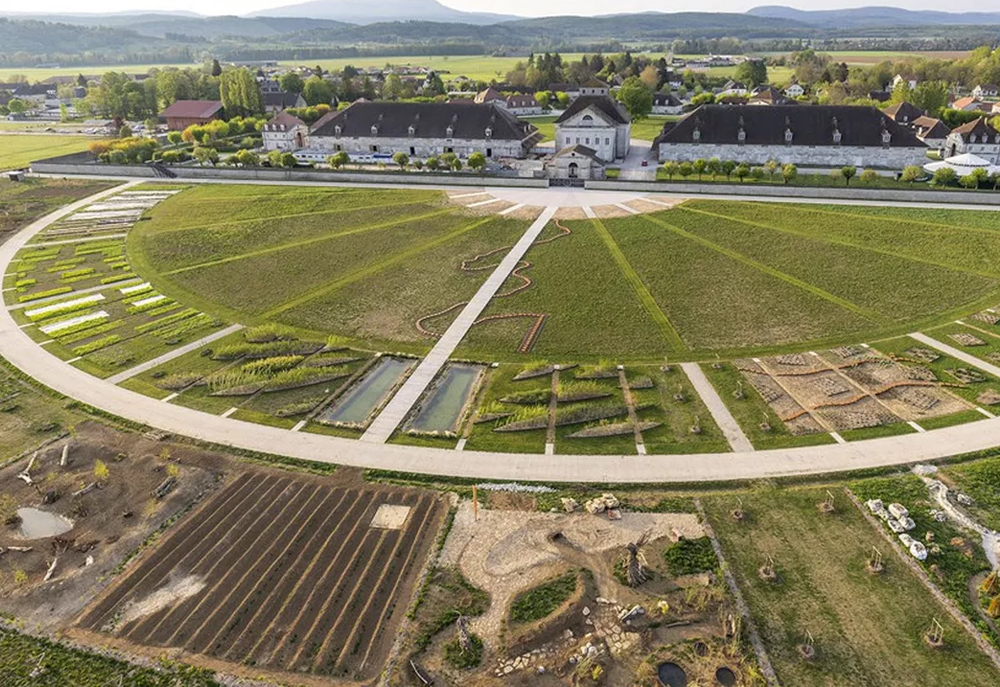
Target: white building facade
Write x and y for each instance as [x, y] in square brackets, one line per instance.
[596, 122]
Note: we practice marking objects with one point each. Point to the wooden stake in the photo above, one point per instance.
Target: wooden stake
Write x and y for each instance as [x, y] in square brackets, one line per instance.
[475, 502]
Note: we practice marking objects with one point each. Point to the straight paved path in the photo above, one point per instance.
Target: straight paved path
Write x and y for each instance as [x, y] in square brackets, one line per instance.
[720, 413]
[957, 354]
[176, 353]
[32, 359]
[385, 424]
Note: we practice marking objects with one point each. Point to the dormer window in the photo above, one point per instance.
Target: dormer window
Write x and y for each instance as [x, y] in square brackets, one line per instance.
[374, 130]
[741, 136]
[489, 132]
[996, 138]
[972, 138]
[789, 136]
[449, 131]
[282, 127]
[587, 118]
[336, 130]
[837, 137]
[886, 138]
[411, 130]
[696, 135]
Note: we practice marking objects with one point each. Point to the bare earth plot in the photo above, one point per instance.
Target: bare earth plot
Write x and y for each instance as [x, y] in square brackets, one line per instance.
[283, 572]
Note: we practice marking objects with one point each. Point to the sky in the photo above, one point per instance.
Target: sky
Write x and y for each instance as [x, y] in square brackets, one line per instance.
[518, 7]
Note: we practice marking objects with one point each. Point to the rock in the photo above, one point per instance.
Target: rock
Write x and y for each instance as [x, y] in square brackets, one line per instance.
[594, 506]
[610, 501]
[633, 612]
[540, 670]
[964, 499]
[586, 610]
[570, 504]
[508, 670]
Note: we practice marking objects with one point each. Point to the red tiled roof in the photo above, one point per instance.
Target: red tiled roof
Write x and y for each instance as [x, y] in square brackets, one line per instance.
[193, 108]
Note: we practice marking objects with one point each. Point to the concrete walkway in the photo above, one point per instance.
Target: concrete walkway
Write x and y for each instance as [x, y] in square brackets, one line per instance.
[35, 361]
[720, 413]
[957, 354]
[395, 411]
[176, 353]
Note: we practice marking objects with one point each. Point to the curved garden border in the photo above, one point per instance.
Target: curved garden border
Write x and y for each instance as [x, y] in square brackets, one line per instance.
[18, 348]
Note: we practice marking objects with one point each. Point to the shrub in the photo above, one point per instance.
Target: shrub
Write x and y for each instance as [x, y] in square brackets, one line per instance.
[689, 556]
[469, 658]
[101, 471]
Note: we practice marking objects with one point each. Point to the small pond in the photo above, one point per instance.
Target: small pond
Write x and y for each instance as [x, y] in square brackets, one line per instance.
[672, 675]
[38, 524]
[370, 392]
[443, 409]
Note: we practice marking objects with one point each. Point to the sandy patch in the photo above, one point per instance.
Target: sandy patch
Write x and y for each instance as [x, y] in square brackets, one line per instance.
[173, 593]
[390, 517]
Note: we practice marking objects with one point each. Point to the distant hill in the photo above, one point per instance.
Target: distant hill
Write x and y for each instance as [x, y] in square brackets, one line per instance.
[664, 25]
[366, 12]
[867, 17]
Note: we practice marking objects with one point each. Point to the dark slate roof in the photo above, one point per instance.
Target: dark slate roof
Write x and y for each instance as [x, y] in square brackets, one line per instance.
[193, 109]
[564, 87]
[579, 150]
[903, 112]
[612, 108]
[280, 99]
[594, 82]
[811, 125]
[980, 127]
[928, 127]
[34, 89]
[665, 100]
[429, 120]
[283, 122]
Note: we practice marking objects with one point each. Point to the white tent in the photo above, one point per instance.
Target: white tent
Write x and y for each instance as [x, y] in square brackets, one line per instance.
[963, 164]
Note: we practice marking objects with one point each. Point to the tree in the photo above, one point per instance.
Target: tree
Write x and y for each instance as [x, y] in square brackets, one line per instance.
[742, 171]
[244, 158]
[636, 97]
[317, 91]
[685, 169]
[969, 182]
[240, 93]
[700, 165]
[911, 173]
[728, 167]
[757, 173]
[432, 163]
[288, 160]
[393, 87]
[751, 72]
[542, 98]
[714, 167]
[17, 106]
[945, 176]
[205, 154]
[338, 159]
[216, 68]
[789, 172]
[848, 173]
[291, 82]
[771, 166]
[401, 159]
[650, 76]
[670, 169]
[869, 177]
[562, 99]
[477, 161]
[930, 96]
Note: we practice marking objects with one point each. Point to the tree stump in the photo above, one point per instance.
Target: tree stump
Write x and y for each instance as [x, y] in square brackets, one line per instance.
[767, 573]
[807, 652]
[874, 567]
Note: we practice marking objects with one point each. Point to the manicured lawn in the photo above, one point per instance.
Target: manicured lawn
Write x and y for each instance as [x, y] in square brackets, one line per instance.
[867, 629]
[20, 150]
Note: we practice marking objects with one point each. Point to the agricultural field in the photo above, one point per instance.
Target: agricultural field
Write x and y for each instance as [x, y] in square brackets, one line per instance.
[24, 201]
[864, 628]
[20, 150]
[313, 579]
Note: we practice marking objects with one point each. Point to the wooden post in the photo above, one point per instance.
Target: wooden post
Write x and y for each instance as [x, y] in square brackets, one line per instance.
[475, 502]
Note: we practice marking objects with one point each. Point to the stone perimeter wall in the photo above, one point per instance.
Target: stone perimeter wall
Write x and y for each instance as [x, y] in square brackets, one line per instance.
[818, 156]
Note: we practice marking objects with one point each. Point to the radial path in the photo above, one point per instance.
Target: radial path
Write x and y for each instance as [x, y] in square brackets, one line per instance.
[385, 424]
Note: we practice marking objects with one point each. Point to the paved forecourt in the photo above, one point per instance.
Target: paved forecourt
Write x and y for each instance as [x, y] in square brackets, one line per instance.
[33, 360]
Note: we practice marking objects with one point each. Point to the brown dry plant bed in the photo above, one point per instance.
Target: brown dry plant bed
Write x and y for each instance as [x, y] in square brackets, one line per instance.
[108, 523]
[279, 572]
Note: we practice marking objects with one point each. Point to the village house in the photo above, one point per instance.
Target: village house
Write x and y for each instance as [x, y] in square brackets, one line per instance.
[421, 130]
[989, 90]
[734, 88]
[490, 95]
[597, 122]
[767, 95]
[37, 95]
[931, 131]
[903, 113]
[184, 113]
[969, 104]
[900, 79]
[794, 90]
[522, 105]
[280, 100]
[284, 132]
[666, 104]
[977, 137]
[807, 135]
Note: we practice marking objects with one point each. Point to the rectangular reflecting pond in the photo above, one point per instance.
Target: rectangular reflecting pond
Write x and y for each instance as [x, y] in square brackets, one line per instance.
[369, 393]
[444, 406]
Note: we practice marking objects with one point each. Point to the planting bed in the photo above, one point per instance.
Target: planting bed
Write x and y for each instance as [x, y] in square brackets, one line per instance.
[305, 580]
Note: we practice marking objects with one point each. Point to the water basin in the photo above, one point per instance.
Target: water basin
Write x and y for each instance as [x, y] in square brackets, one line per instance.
[371, 391]
[38, 524]
[443, 409]
[672, 675]
[725, 676]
